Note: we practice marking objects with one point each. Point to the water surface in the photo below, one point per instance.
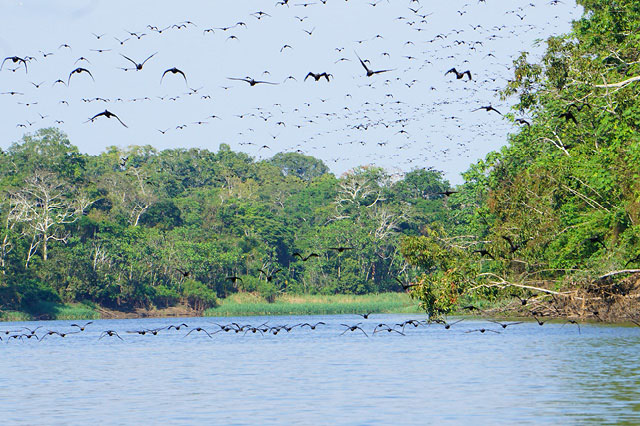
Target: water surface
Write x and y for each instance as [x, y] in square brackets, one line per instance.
[526, 374]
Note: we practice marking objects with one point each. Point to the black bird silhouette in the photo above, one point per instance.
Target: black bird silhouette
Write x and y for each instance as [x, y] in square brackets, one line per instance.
[78, 71]
[482, 330]
[447, 325]
[459, 75]
[341, 249]
[447, 192]
[403, 285]
[370, 73]
[270, 276]
[109, 333]
[15, 59]
[81, 327]
[487, 108]
[571, 321]
[318, 76]
[198, 329]
[304, 259]
[312, 326]
[353, 328]
[177, 327]
[568, 115]
[385, 327]
[365, 316]
[505, 324]
[522, 300]
[184, 273]
[175, 70]
[522, 121]
[108, 114]
[233, 279]
[251, 81]
[138, 66]
[540, 323]
[484, 252]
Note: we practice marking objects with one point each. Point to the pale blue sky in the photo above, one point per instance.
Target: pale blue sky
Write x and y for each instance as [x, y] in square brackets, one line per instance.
[350, 121]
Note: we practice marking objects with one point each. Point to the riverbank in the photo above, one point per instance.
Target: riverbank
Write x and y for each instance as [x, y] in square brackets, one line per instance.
[240, 304]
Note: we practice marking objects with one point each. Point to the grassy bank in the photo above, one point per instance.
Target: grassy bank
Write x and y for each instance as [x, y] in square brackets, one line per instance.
[245, 304]
[52, 311]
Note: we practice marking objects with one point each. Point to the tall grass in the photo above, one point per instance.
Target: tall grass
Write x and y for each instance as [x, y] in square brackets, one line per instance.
[246, 304]
[53, 311]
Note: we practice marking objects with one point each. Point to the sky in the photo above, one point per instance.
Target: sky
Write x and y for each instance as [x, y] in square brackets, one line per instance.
[411, 116]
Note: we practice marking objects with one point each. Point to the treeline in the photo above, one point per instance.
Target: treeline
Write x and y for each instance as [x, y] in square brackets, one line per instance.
[558, 207]
[138, 227]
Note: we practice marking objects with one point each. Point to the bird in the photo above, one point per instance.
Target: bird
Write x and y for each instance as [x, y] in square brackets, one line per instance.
[81, 327]
[175, 70]
[318, 76]
[138, 66]
[482, 330]
[108, 114]
[341, 249]
[459, 75]
[385, 327]
[568, 115]
[177, 327]
[403, 285]
[312, 326]
[506, 324]
[304, 259]
[540, 323]
[371, 73]
[487, 108]
[78, 71]
[15, 60]
[199, 329]
[185, 274]
[251, 81]
[522, 300]
[234, 279]
[109, 333]
[447, 325]
[353, 328]
[365, 316]
[269, 277]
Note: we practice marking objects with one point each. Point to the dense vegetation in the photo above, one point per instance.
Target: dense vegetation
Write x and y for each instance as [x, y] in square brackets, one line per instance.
[136, 227]
[558, 206]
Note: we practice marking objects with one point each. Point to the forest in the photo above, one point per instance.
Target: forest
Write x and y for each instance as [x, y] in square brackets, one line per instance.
[138, 227]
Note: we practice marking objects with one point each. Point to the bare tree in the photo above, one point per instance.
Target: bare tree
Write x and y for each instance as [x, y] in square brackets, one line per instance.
[41, 209]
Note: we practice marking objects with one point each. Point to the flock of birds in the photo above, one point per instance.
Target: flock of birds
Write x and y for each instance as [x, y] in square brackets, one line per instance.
[374, 327]
[403, 94]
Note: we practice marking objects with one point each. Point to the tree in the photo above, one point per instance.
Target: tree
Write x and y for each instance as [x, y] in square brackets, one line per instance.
[42, 208]
[303, 166]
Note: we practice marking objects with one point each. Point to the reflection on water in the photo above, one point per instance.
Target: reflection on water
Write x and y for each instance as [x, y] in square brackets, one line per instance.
[525, 374]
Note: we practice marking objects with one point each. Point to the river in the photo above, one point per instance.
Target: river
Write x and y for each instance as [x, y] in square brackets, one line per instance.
[556, 373]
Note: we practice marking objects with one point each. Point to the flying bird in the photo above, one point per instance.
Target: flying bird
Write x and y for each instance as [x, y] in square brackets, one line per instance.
[251, 81]
[108, 114]
[370, 72]
[78, 71]
[459, 75]
[175, 70]
[138, 66]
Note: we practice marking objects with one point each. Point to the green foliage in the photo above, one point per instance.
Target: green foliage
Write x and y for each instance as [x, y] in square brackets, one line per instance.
[169, 227]
[560, 202]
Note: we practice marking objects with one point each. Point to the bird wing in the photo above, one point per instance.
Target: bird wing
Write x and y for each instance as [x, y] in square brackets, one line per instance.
[143, 62]
[363, 64]
[130, 60]
[118, 118]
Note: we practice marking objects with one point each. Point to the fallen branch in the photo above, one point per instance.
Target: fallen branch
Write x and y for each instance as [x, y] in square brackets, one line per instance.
[623, 271]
